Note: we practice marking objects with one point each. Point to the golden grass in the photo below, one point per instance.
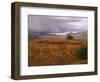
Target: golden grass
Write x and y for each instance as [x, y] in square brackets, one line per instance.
[43, 52]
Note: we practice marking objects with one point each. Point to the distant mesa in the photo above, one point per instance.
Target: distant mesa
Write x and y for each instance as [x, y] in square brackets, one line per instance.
[63, 33]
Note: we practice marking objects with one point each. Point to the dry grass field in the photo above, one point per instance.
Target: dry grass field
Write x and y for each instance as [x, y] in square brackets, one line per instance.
[42, 52]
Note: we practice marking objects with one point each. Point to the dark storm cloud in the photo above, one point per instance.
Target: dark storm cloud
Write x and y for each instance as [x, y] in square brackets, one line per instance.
[56, 23]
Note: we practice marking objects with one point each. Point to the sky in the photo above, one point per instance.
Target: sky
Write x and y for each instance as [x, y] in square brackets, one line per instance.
[39, 23]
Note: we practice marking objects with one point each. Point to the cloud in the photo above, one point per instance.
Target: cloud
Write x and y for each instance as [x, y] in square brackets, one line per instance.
[56, 23]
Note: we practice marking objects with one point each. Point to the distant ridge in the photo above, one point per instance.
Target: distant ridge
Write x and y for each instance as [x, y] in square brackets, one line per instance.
[76, 35]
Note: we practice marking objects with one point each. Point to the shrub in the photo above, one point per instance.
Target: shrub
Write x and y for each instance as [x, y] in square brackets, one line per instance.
[70, 37]
[82, 52]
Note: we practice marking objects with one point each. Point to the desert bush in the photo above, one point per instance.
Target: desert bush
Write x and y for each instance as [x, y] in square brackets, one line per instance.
[82, 52]
[69, 37]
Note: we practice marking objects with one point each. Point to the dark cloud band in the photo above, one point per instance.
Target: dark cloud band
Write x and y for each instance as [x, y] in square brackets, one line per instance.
[38, 23]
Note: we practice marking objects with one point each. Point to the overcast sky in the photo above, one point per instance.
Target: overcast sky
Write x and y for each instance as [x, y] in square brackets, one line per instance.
[56, 23]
